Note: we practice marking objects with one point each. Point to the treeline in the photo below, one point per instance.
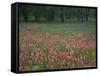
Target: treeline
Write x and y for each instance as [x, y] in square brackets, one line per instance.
[39, 13]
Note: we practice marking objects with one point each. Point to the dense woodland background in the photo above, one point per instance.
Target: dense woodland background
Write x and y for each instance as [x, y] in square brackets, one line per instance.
[40, 13]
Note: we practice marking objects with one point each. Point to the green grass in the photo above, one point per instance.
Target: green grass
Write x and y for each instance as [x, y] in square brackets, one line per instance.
[89, 54]
[62, 48]
[65, 28]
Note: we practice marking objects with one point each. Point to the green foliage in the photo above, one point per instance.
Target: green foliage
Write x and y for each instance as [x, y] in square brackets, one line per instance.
[78, 52]
[35, 13]
[89, 54]
[62, 48]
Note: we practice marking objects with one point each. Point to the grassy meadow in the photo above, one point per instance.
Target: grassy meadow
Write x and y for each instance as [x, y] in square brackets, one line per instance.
[47, 46]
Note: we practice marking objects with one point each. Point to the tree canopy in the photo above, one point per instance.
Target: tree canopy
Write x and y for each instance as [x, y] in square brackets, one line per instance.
[39, 13]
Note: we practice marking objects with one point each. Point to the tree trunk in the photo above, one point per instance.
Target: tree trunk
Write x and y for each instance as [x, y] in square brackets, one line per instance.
[62, 15]
[87, 12]
[51, 14]
[25, 15]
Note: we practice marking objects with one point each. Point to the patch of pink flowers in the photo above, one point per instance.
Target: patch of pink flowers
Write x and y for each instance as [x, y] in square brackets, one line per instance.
[42, 51]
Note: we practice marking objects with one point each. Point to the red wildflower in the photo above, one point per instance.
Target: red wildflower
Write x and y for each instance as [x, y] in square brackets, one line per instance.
[62, 62]
[39, 40]
[27, 36]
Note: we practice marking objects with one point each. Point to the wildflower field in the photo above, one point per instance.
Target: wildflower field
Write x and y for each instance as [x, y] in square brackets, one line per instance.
[47, 46]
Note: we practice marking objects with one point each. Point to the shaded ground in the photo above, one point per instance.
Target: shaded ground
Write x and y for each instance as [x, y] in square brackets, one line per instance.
[57, 46]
